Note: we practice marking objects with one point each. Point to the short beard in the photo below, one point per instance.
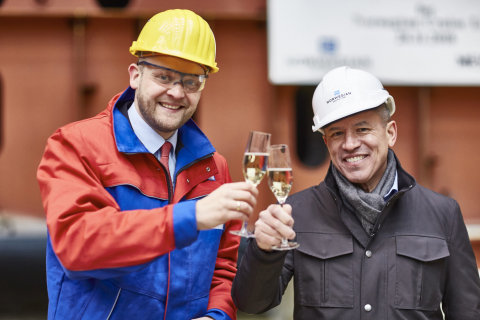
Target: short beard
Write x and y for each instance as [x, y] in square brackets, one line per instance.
[147, 110]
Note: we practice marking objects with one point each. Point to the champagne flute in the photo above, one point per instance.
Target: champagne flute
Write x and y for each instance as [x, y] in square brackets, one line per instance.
[254, 167]
[280, 180]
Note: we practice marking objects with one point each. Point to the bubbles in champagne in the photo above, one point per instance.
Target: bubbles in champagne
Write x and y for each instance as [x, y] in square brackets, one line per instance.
[254, 166]
[280, 182]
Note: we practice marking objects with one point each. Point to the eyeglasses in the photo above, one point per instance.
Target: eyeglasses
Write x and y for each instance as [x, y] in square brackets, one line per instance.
[168, 78]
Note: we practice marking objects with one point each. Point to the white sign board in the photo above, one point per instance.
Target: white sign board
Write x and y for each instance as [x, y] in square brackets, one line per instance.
[408, 42]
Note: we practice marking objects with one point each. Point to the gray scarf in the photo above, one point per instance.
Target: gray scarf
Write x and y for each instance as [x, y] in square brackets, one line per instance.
[367, 206]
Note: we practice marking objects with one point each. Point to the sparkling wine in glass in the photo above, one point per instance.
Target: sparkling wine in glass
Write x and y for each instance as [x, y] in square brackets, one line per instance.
[254, 167]
[280, 180]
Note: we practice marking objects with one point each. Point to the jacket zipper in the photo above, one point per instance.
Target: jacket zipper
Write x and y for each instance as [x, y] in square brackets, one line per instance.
[169, 184]
[170, 199]
[377, 224]
[170, 187]
[169, 180]
[115, 303]
[170, 196]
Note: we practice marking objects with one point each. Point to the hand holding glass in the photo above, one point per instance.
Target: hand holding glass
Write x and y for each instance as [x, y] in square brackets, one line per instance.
[254, 167]
[280, 180]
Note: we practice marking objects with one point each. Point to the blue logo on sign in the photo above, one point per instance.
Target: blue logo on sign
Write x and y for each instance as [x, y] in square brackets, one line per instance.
[328, 45]
[336, 92]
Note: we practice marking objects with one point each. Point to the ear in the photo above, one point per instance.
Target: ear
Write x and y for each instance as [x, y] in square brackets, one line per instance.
[391, 131]
[135, 73]
[325, 140]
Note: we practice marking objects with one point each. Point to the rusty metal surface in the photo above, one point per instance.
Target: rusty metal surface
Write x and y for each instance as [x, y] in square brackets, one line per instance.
[232, 9]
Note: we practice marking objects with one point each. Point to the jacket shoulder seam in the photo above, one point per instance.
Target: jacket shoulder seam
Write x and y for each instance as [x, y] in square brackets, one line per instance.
[452, 222]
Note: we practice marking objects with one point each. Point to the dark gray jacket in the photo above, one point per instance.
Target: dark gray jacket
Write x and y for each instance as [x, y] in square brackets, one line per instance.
[419, 256]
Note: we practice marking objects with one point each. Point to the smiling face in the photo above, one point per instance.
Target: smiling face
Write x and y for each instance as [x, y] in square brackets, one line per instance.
[165, 110]
[358, 147]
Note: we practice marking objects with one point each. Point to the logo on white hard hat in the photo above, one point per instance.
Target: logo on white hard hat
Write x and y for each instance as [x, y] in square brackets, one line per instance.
[338, 96]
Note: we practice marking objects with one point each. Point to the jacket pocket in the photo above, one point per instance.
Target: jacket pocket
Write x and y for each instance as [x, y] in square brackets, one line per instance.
[420, 272]
[325, 270]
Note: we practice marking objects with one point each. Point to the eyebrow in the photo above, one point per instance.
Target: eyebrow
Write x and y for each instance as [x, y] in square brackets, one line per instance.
[333, 129]
[358, 124]
[361, 123]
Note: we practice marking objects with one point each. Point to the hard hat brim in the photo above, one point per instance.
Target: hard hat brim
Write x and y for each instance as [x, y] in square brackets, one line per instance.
[342, 113]
[135, 50]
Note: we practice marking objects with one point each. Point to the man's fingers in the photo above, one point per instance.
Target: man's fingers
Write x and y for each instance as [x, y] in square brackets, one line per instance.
[243, 196]
[284, 229]
[265, 241]
[235, 215]
[281, 214]
[231, 201]
[236, 192]
[241, 209]
[245, 186]
[262, 227]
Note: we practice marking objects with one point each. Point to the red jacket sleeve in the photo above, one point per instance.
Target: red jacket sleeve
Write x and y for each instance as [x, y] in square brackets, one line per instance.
[225, 267]
[86, 227]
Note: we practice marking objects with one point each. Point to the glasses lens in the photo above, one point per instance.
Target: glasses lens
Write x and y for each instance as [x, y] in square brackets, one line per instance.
[165, 76]
[168, 78]
[193, 83]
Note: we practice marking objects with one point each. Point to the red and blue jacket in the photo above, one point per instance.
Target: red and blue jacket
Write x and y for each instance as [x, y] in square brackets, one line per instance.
[120, 246]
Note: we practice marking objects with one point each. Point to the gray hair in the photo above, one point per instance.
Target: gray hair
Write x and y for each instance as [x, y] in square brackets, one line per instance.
[384, 114]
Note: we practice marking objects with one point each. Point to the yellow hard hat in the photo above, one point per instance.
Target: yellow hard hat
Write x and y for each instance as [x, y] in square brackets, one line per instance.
[178, 33]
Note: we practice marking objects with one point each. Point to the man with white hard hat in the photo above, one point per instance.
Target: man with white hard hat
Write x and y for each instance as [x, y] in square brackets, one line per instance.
[373, 243]
[138, 202]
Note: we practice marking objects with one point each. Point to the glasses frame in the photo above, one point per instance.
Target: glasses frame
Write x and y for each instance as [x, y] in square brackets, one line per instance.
[201, 77]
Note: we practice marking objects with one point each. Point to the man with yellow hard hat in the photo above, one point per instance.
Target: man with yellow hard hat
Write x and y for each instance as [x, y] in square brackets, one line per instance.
[137, 200]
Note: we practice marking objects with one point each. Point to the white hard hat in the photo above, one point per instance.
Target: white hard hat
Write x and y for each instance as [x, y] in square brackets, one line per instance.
[345, 91]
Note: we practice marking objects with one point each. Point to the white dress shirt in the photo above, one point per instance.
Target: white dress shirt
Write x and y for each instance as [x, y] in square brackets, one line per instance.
[394, 188]
[152, 140]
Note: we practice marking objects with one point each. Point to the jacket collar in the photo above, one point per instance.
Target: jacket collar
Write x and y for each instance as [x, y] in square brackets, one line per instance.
[405, 183]
[194, 144]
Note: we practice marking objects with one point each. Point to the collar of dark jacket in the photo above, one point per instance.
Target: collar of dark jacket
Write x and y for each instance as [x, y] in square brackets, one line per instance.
[405, 183]
[405, 180]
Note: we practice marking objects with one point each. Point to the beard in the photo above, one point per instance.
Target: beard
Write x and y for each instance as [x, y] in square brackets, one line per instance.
[165, 123]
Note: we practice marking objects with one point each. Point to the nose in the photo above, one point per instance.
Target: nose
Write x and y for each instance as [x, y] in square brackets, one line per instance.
[177, 91]
[351, 142]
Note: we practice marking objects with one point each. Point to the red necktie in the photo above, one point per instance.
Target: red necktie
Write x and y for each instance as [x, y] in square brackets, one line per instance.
[165, 152]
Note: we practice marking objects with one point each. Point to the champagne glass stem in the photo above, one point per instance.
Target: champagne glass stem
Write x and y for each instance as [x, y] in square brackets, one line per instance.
[284, 240]
[244, 227]
[285, 245]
